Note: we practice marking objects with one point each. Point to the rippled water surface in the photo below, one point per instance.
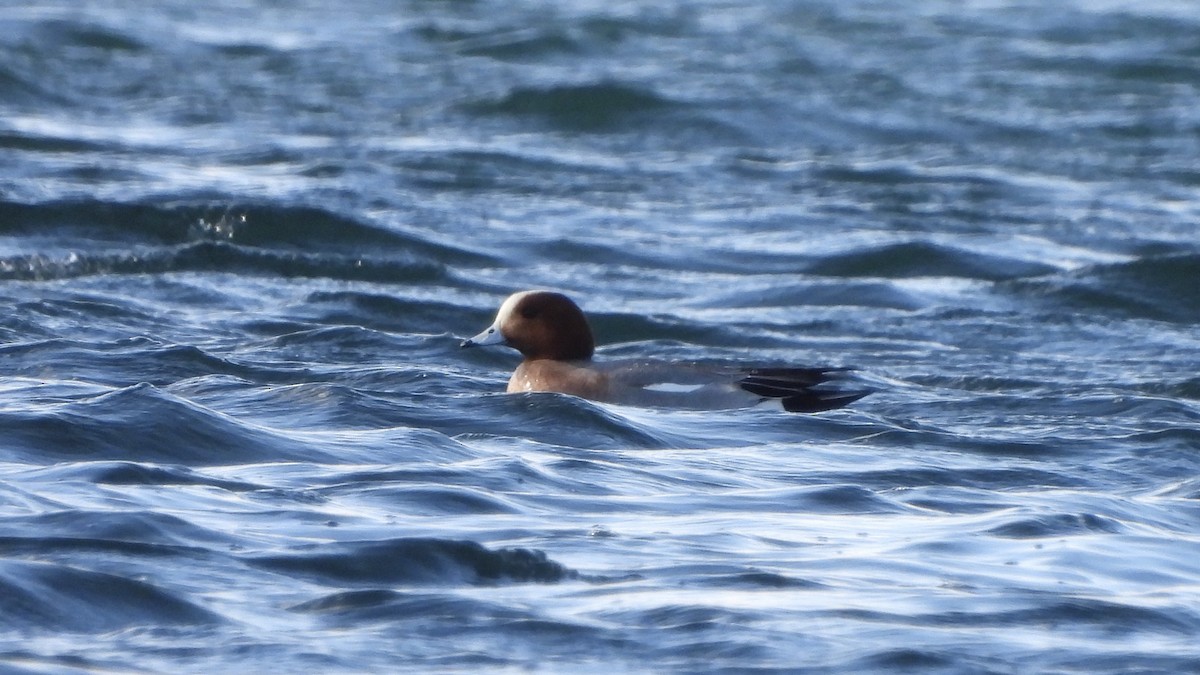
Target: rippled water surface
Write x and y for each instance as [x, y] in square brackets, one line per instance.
[239, 243]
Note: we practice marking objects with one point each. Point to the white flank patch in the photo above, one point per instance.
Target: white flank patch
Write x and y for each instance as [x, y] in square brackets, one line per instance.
[673, 386]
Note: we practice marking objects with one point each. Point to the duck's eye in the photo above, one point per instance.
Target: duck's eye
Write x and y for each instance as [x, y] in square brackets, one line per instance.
[530, 313]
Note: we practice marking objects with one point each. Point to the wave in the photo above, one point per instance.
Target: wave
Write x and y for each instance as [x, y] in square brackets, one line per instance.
[594, 105]
[127, 362]
[257, 226]
[519, 44]
[61, 598]
[18, 89]
[286, 241]
[424, 561]
[1057, 525]
[611, 107]
[221, 257]
[354, 607]
[1078, 612]
[1158, 287]
[552, 419]
[499, 629]
[143, 424]
[66, 33]
[836, 293]
[43, 45]
[519, 173]
[375, 309]
[926, 259]
[145, 533]
[541, 40]
[53, 62]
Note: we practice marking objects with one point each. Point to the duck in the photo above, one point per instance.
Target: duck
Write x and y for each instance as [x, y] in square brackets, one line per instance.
[553, 335]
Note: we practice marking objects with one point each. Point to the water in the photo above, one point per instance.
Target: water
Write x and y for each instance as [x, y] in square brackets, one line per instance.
[239, 242]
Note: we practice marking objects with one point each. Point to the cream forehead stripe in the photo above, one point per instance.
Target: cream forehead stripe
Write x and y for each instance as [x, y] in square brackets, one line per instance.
[509, 306]
[494, 335]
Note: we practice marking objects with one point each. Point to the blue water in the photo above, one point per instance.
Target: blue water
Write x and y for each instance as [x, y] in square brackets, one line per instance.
[240, 241]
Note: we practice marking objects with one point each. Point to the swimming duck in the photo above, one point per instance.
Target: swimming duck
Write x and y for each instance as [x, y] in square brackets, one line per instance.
[553, 335]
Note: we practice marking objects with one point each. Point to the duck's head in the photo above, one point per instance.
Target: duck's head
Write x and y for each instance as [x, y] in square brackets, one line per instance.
[540, 325]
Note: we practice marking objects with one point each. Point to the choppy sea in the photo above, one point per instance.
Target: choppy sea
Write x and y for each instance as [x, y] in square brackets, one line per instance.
[240, 241]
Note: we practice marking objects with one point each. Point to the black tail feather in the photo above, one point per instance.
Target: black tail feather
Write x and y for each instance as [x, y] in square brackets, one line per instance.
[795, 388]
[822, 401]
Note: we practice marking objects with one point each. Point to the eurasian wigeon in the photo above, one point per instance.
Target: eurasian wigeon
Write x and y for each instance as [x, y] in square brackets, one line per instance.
[553, 335]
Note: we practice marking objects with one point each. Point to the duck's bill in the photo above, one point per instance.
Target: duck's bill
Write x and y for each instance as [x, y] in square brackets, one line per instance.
[491, 336]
